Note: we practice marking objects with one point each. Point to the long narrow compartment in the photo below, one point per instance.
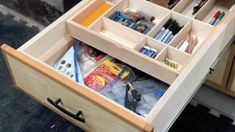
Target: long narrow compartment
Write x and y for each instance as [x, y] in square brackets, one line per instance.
[170, 4]
[117, 33]
[190, 7]
[96, 10]
[207, 13]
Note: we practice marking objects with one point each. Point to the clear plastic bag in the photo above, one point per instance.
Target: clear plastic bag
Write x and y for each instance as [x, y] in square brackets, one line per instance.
[151, 91]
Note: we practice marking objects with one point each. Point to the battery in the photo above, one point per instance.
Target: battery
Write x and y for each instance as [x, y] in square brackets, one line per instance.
[152, 53]
[144, 49]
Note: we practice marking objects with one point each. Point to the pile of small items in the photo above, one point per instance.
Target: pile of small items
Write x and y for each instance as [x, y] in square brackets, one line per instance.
[110, 77]
[168, 31]
[149, 51]
[138, 21]
[171, 63]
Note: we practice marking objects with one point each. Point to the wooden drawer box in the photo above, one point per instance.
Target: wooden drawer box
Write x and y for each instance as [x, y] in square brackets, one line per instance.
[32, 72]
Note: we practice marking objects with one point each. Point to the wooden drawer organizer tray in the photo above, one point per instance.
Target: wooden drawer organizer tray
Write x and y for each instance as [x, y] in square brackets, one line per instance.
[31, 65]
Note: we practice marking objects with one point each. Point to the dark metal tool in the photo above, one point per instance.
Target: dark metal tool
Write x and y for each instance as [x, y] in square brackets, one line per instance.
[132, 97]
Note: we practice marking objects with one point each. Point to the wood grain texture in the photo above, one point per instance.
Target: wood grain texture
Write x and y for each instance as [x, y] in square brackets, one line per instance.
[43, 82]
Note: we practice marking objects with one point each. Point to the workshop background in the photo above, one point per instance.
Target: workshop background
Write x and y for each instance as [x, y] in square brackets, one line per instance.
[20, 21]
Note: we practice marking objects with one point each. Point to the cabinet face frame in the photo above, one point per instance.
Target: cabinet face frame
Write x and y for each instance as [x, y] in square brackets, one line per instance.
[169, 106]
[227, 64]
[231, 81]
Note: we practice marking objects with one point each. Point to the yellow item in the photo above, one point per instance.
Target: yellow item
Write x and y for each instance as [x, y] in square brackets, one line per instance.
[115, 69]
[100, 80]
[94, 15]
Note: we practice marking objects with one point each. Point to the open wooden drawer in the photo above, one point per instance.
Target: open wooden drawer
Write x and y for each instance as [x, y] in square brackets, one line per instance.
[32, 72]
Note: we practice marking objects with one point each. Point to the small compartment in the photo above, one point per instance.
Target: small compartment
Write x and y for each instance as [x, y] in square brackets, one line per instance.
[149, 47]
[192, 37]
[94, 12]
[173, 59]
[168, 29]
[117, 33]
[211, 11]
[136, 16]
[170, 4]
[190, 7]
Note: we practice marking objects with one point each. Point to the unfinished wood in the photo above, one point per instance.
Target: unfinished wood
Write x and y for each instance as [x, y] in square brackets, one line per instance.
[163, 3]
[174, 93]
[88, 13]
[181, 58]
[186, 84]
[118, 33]
[152, 10]
[211, 7]
[157, 12]
[181, 20]
[52, 55]
[219, 78]
[197, 28]
[42, 82]
[123, 53]
[186, 7]
[158, 27]
[148, 41]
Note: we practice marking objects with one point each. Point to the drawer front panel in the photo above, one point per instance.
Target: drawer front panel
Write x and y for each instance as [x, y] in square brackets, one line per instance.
[41, 87]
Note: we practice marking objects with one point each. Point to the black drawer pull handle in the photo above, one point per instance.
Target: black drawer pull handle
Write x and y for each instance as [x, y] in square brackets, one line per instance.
[78, 116]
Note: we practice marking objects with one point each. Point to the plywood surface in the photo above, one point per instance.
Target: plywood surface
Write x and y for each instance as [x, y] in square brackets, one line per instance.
[40, 84]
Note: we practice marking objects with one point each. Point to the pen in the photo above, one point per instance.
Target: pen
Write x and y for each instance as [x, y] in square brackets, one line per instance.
[219, 18]
[76, 47]
[167, 30]
[169, 34]
[216, 15]
[158, 35]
